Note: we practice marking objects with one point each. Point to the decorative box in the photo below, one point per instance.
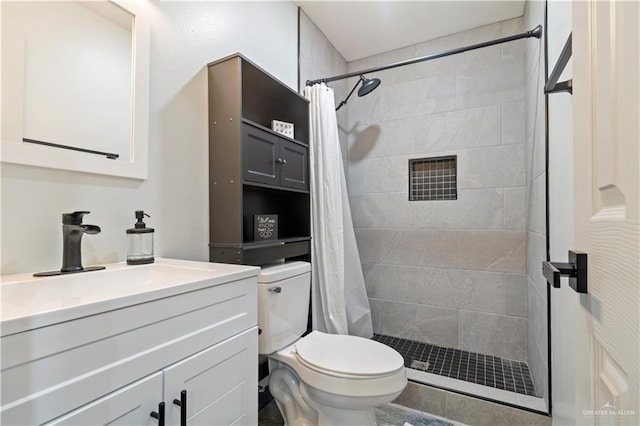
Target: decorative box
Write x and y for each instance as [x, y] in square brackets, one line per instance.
[282, 127]
[265, 227]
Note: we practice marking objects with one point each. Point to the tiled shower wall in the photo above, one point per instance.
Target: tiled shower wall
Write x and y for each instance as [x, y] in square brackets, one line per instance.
[452, 273]
[536, 222]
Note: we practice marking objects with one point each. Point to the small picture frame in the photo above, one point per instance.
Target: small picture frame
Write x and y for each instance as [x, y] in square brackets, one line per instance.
[283, 128]
[265, 227]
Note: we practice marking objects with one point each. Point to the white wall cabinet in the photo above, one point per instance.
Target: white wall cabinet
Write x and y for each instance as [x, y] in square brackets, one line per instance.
[115, 367]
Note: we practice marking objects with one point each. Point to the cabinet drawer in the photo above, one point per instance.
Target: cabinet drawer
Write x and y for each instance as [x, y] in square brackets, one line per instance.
[50, 371]
[131, 405]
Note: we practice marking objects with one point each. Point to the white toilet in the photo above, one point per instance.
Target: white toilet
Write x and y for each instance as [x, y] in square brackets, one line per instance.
[320, 379]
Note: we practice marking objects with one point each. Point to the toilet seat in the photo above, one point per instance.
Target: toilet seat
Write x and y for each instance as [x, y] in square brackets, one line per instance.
[347, 356]
[328, 373]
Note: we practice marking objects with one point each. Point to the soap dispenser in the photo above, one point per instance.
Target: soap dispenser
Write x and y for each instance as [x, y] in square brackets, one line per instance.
[140, 242]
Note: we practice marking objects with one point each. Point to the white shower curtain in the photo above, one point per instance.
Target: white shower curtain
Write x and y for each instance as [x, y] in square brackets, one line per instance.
[339, 297]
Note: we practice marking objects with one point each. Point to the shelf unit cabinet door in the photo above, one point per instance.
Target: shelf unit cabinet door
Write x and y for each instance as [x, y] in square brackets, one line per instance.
[259, 156]
[294, 172]
[221, 383]
[131, 405]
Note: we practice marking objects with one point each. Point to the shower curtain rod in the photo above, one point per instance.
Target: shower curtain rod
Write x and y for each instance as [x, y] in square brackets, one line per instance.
[536, 32]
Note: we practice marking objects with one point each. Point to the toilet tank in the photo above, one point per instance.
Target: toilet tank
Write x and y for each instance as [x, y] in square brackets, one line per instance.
[283, 304]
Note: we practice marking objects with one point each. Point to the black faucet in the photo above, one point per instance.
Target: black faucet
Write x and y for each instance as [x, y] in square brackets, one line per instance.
[72, 231]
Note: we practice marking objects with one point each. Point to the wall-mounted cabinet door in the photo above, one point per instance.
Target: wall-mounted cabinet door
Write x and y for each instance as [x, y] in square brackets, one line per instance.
[294, 171]
[273, 160]
[260, 153]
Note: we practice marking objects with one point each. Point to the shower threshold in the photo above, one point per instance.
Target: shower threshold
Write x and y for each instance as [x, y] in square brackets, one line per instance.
[484, 376]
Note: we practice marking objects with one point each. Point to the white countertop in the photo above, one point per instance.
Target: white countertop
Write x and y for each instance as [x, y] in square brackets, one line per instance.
[29, 302]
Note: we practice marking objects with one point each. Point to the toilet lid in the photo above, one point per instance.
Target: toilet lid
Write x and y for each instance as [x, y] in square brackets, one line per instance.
[349, 355]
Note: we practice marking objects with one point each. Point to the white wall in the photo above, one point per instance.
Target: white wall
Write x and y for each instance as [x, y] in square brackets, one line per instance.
[185, 36]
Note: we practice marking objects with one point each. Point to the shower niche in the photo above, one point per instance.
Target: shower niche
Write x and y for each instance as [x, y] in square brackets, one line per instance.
[254, 170]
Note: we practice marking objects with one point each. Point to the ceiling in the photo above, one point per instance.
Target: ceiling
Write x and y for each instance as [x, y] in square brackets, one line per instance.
[363, 28]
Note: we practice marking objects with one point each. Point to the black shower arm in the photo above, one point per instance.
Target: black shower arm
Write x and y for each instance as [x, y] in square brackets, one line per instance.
[536, 32]
[344, 102]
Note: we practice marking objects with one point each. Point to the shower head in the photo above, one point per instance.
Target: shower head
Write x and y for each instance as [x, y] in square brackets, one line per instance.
[368, 85]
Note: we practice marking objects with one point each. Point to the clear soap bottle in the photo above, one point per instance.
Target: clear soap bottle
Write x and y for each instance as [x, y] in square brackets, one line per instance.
[140, 242]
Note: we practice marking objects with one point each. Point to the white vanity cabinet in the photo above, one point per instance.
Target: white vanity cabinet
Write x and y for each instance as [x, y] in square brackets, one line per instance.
[114, 366]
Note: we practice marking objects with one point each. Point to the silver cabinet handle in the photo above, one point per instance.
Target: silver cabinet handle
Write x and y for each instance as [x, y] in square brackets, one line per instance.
[276, 290]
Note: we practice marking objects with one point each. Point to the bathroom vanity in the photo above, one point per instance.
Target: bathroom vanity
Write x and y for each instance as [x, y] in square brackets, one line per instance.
[111, 346]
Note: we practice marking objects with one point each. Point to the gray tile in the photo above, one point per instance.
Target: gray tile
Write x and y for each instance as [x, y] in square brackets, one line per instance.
[388, 174]
[516, 295]
[492, 250]
[420, 322]
[537, 205]
[381, 139]
[537, 315]
[515, 208]
[400, 74]
[435, 287]
[516, 48]
[445, 65]
[374, 244]
[415, 98]
[382, 210]
[513, 122]
[474, 209]
[423, 398]
[270, 415]
[479, 291]
[466, 128]
[489, 78]
[395, 282]
[376, 314]
[493, 167]
[536, 254]
[473, 411]
[490, 292]
[535, 136]
[424, 248]
[497, 335]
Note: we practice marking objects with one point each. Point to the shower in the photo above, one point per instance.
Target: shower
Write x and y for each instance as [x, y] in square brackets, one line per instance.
[447, 280]
[368, 86]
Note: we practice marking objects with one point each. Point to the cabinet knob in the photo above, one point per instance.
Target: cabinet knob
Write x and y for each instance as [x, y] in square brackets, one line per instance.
[281, 161]
[159, 415]
[182, 403]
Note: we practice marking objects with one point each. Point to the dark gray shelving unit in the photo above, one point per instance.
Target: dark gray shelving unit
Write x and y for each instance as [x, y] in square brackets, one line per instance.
[254, 170]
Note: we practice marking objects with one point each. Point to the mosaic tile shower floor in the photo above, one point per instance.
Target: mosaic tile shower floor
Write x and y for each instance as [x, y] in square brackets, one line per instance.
[472, 367]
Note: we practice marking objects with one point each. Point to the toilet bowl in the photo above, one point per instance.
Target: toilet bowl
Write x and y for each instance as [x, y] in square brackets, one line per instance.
[320, 379]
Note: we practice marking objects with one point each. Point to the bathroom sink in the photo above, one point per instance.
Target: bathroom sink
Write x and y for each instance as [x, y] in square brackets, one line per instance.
[28, 302]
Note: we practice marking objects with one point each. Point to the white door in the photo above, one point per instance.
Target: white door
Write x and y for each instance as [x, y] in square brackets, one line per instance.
[606, 93]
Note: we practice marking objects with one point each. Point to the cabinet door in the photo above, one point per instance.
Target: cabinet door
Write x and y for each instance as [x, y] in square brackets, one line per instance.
[294, 172]
[131, 405]
[259, 156]
[221, 383]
